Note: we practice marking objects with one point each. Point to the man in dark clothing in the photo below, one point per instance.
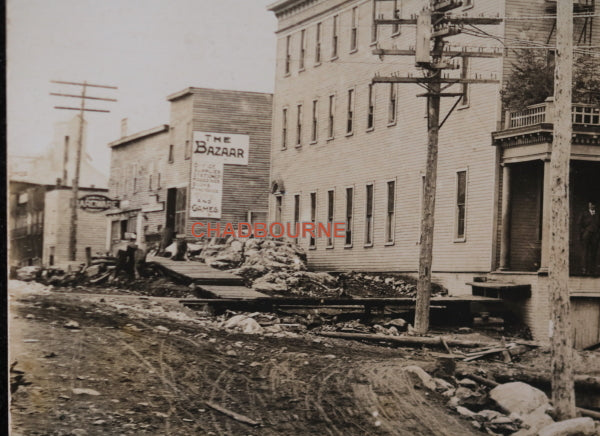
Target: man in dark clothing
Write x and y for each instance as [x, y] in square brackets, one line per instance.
[589, 235]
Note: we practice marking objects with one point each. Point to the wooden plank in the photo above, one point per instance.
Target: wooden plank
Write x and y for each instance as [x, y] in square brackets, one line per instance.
[240, 292]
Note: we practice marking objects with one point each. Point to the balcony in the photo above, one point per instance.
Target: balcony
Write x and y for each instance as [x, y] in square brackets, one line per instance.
[534, 126]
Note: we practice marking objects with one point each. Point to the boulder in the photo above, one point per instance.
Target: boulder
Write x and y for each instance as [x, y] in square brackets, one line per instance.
[417, 374]
[518, 397]
[250, 326]
[534, 421]
[571, 427]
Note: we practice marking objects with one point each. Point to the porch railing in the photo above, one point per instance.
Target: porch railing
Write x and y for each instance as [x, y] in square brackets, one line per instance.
[582, 114]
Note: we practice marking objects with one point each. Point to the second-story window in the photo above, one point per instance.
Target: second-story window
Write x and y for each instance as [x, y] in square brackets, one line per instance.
[350, 111]
[461, 204]
[171, 153]
[392, 108]
[334, 42]
[354, 30]
[371, 109]
[396, 11]
[302, 49]
[464, 74]
[284, 128]
[318, 44]
[314, 124]
[331, 116]
[299, 126]
[374, 27]
[287, 54]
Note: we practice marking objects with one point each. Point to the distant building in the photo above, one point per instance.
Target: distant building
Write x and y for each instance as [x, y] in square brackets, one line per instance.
[348, 150]
[177, 174]
[39, 202]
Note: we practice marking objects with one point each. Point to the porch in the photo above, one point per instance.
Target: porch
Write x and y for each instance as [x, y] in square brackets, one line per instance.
[525, 146]
[520, 272]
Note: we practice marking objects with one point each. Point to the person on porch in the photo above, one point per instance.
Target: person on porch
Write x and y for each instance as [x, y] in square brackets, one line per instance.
[589, 235]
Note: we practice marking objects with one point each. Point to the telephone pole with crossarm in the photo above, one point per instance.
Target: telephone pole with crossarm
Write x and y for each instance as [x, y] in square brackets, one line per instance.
[433, 25]
[75, 182]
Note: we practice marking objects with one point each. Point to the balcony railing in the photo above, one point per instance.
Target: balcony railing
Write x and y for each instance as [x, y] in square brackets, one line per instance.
[582, 114]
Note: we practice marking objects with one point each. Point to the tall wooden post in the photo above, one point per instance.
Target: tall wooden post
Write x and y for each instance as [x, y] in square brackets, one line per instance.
[428, 206]
[75, 186]
[563, 394]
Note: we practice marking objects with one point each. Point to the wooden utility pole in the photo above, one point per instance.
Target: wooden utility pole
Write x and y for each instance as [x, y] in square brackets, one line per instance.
[75, 181]
[433, 24]
[563, 392]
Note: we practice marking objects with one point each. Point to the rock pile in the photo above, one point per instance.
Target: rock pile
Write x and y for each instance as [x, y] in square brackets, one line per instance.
[514, 408]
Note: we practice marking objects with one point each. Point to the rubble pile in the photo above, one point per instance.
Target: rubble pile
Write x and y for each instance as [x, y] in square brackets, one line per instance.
[514, 408]
[253, 258]
[382, 285]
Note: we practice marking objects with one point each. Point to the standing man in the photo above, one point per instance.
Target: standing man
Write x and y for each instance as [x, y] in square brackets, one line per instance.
[589, 235]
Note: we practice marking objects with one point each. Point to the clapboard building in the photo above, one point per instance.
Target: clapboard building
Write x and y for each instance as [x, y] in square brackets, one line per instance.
[192, 169]
[347, 150]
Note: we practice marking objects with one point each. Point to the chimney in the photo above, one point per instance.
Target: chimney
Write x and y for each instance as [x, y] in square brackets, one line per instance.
[123, 127]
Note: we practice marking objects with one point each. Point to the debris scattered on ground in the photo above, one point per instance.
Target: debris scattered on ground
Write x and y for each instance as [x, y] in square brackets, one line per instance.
[85, 391]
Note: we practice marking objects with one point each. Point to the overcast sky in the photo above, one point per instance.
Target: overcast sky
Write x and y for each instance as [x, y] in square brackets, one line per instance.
[148, 48]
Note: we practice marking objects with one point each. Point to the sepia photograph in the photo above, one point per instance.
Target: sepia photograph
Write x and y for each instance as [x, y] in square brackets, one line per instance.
[303, 217]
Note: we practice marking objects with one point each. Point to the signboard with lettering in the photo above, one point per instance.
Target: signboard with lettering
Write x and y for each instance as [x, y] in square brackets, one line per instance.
[227, 148]
[210, 152]
[97, 203]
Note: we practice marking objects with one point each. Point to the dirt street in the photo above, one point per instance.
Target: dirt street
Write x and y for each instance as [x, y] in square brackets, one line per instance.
[112, 365]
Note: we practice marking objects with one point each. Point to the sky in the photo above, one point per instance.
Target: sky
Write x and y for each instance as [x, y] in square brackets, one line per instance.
[147, 48]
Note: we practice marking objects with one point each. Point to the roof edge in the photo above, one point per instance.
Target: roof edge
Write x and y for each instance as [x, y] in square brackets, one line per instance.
[139, 135]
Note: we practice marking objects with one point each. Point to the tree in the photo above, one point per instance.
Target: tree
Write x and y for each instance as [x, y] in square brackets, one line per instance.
[531, 80]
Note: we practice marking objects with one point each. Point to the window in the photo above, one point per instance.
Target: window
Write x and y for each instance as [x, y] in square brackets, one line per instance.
[354, 30]
[392, 108]
[318, 44]
[180, 210]
[330, 208]
[302, 48]
[299, 127]
[284, 128]
[396, 27]
[331, 116]
[350, 111]
[287, 54]
[313, 216]
[389, 218]
[374, 27]
[467, 4]
[349, 207]
[371, 109]
[296, 213]
[150, 182]
[278, 208]
[314, 124]
[135, 178]
[369, 215]
[461, 204]
[464, 74]
[171, 153]
[188, 149]
[158, 181]
[334, 42]
[65, 180]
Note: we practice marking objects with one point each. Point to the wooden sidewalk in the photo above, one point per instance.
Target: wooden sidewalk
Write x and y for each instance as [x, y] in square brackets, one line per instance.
[213, 283]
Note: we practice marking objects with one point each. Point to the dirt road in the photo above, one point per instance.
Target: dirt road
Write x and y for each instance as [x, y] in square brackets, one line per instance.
[152, 368]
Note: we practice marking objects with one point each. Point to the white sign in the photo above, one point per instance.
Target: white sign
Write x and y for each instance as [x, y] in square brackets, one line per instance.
[209, 153]
[206, 186]
[221, 147]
